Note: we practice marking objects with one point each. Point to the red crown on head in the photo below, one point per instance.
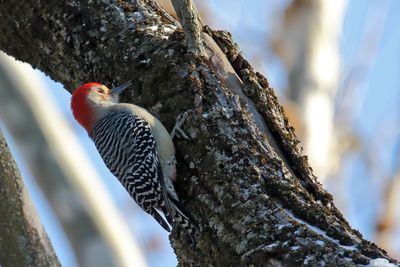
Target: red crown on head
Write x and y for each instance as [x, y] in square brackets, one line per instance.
[82, 110]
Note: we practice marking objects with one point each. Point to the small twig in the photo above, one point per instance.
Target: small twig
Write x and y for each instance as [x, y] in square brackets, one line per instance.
[191, 24]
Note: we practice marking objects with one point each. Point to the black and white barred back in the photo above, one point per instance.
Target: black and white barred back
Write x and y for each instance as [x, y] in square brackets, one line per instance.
[128, 148]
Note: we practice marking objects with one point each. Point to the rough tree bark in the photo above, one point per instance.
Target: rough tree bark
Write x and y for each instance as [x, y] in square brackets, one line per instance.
[242, 173]
[23, 241]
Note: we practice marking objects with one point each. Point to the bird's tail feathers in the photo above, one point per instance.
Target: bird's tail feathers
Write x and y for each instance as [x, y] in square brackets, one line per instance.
[184, 220]
[156, 215]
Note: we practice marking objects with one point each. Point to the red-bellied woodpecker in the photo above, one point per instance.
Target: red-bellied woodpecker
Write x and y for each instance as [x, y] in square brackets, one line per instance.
[135, 147]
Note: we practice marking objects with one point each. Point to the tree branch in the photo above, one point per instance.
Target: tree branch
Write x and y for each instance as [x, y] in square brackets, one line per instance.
[23, 241]
[191, 24]
[253, 193]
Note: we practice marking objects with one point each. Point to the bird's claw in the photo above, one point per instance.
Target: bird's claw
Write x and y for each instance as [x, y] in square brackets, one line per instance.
[177, 130]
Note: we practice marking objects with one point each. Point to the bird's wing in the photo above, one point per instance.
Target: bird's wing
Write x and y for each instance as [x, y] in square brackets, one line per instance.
[128, 148]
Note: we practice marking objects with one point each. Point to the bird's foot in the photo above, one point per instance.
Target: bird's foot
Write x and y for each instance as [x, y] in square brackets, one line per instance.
[177, 130]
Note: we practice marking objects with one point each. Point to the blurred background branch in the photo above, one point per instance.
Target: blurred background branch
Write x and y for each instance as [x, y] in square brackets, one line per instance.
[23, 241]
[308, 41]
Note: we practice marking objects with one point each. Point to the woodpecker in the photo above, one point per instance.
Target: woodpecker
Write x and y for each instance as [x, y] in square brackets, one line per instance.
[136, 148]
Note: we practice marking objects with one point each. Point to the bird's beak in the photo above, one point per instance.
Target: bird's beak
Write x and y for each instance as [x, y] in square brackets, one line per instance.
[117, 90]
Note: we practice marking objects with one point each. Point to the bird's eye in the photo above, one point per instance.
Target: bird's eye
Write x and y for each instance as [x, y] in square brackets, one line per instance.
[100, 91]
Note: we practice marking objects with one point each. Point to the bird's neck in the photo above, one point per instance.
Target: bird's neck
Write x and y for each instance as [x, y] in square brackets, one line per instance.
[96, 114]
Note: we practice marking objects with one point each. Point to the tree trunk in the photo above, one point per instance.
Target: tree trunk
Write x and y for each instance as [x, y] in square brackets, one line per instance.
[23, 241]
[242, 174]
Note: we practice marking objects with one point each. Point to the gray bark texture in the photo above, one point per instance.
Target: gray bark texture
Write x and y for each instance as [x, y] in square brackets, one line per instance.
[242, 174]
[23, 241]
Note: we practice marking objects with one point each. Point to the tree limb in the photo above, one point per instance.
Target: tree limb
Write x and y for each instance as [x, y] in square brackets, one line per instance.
[254, 194]
[191, 24]
[23, 241]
